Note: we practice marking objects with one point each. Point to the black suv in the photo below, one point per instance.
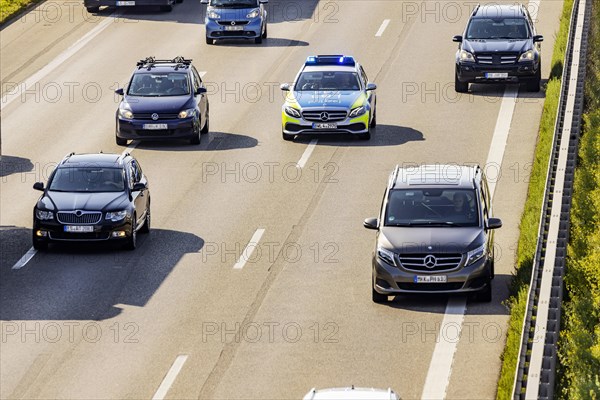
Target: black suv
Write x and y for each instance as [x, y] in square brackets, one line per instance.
[500, 44]
[92, 197]
[165, 99]
[434, 233]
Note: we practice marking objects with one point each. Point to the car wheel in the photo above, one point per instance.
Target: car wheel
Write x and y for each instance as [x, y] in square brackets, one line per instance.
[206, 127]
[460, 87]
[378, 297]
[535, 84]
[167, 8]
[264, 35]
[40, 246]
[258, 40]
[196, 138]
[209, 40]
[179, 1]
[121, 142]
[485, 295]
[365, 136]
[93, 10]
[146, 227]
[287, 136]
[132, 240]
[374, 120]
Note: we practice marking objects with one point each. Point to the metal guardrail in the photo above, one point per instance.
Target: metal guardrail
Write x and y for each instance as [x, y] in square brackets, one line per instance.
[536, 369]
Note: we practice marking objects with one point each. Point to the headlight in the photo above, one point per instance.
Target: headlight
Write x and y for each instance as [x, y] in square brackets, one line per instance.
[253, 14]
[292, 112]
[187, 113]
[527, 56]
[475, 255]
[386, 255]
[357, 111]
[44, 215]
[116, 215]
[213, 15]
[465, 56]
[125, 113]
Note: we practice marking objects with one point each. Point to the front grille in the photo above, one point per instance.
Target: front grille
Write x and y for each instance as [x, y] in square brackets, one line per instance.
[234, 34]
[155, 132]
[229, 22]
[324, 115]
[430, 287]
[86, 217]
[497, 58]
[79, 236]
[437, 262]
[161, 116]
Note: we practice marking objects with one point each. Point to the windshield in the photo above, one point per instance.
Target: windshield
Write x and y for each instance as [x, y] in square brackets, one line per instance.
[327, 80]
[432, 207]
[502, 28]
[159, 84]
[234, 3]
[87, 179]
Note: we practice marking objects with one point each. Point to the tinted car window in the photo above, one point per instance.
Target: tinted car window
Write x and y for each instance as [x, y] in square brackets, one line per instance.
[87, 179]
[159, 84]
[412, 207]
[502, 28]
[234, 3]
[328, 80]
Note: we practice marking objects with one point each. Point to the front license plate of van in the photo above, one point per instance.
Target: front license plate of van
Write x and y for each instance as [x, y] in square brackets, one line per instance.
[496, 75]
[430, 279]
[125, 3]
[155, 126]
[324, 126]
[79, 228]
[234, 28]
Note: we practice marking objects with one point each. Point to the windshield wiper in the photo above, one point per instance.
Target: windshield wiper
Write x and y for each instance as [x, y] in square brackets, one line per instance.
[435, 223]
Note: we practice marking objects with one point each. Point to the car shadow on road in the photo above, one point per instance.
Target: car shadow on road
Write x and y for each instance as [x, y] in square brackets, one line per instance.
[495, 92]
[213, 141]
[90, 281]
[382, 135]
[14, 165]
[269, 42]
[436, 303]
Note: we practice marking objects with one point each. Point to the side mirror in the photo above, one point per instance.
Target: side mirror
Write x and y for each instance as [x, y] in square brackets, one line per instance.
[457, 38]
[494, 223]
[371, 86]
[371, 223]
[38, 186]
[201, 90]
[538, 38]
[285, 87]
[138, 186]
[120, 92]
[203, 1]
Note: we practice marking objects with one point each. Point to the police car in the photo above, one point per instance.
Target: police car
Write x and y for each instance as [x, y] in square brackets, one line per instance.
[331, 94]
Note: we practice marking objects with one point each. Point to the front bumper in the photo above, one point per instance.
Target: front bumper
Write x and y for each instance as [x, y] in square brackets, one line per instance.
[54, 231]
[133, 129]
[250, 30]
[300, 126]
[476, 73]
[392, 280]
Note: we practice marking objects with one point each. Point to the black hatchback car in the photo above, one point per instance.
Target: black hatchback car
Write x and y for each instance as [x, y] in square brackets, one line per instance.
[92, 197]
[499, 45]
[434, 233]
[165, 99]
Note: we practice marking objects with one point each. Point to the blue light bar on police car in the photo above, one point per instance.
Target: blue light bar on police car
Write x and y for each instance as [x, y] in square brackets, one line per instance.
[335, 59]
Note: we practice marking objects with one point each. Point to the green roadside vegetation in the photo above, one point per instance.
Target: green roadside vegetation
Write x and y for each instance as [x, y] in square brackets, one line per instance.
[530, 219]
[579, 344]
[10, 8]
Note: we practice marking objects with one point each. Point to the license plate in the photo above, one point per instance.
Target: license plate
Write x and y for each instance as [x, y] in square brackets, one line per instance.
[430, 279]
[125, 3]
[155, 126]
[324, 126]
[79, 228]
[234, 28]
[496, 75]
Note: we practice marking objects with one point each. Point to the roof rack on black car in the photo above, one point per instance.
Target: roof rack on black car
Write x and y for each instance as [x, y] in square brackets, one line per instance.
[149, 62]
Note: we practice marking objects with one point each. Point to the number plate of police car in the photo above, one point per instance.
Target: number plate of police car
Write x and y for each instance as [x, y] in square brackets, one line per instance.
[155, 126]
[430, 279]
[79, 228]
[496, 75]
[324, 126]
[125, 3]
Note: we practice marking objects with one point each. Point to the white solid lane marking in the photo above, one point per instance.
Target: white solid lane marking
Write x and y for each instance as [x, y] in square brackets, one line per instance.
[8, 98]
[307, 153]
[247, 253]
[130, 148]
[25, 259]
[170, 378]
[384, 25]
[438, 378]
[440, 368]
[201, 73]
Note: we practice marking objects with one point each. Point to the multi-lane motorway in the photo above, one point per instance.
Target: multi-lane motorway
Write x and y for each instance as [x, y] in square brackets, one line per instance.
[174, 319]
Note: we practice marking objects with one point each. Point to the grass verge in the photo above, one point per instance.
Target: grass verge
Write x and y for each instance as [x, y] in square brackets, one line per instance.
[530, 219]
[11, 8]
